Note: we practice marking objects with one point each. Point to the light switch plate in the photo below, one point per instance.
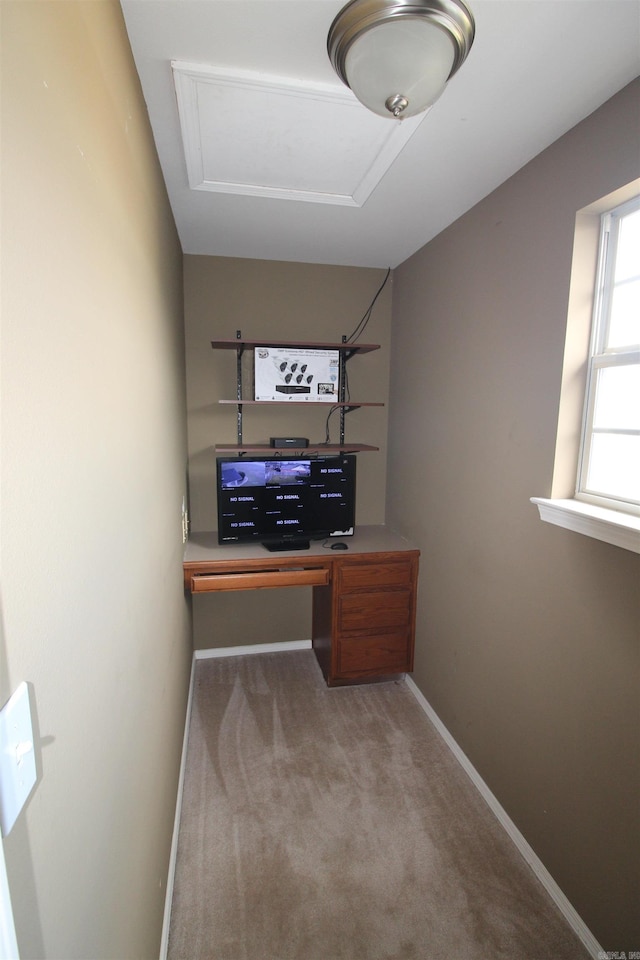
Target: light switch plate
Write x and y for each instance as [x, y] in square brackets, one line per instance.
[17, 757]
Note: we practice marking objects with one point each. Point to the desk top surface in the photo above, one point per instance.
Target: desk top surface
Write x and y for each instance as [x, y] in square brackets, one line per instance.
[204, 547]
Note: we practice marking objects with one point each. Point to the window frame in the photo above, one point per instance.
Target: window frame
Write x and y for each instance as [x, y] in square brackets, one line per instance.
[602, 357]
[560, 506]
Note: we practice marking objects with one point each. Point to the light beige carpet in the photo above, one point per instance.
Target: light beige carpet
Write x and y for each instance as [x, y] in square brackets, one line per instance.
[322, 824]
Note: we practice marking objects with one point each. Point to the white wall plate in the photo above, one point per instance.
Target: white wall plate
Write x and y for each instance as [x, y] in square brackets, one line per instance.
[17, 757]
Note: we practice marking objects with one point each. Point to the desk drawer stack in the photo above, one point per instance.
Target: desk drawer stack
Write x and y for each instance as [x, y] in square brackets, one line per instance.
[364, 627]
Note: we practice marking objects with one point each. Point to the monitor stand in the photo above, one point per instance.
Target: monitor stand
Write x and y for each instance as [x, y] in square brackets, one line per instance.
[293, 544]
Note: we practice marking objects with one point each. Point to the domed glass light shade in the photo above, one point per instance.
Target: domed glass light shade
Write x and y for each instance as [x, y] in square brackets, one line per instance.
[397, 55]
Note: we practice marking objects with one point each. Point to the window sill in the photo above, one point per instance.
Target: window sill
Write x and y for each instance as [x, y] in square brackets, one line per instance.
[620, 529]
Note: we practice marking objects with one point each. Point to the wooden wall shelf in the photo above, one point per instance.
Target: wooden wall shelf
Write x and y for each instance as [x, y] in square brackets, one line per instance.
[243, 344]
[305, 403]
[345, 349]
[313, 448]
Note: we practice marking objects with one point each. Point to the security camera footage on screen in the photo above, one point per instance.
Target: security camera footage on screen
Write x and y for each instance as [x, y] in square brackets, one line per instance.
[270, 499]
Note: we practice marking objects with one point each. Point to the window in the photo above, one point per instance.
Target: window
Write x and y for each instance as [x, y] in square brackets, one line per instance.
[598, 435]
[609, 468]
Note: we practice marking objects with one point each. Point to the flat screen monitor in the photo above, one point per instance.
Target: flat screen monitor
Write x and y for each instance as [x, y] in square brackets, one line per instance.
[285, 503]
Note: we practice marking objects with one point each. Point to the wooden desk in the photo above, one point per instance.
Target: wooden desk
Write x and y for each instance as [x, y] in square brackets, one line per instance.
[364, 598]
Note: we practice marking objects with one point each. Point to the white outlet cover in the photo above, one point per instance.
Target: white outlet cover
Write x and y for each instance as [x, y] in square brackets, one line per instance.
[17, 757]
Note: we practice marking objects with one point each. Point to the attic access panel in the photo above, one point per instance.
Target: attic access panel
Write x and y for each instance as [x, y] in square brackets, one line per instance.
[264, 136]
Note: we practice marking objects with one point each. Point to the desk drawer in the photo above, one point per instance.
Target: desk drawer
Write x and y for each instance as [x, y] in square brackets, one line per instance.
[371, 611]
[379, 655]
[259, 579]
[356, 575]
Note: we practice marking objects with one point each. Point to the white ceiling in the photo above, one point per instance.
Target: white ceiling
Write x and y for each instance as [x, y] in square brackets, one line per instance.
[279, 162]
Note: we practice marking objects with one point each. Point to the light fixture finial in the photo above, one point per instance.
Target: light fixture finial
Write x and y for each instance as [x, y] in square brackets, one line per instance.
[396, 104]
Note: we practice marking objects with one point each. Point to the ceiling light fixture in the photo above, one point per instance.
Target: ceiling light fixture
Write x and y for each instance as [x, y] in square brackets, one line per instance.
[397, 55]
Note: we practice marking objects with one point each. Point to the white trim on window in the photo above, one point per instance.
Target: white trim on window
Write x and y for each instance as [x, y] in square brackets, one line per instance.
[612, 526]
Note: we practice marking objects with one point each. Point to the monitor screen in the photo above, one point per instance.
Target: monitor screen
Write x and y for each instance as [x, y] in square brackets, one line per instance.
[272, 499]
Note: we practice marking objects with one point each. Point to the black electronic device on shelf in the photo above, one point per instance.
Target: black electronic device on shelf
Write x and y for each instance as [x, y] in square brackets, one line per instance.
[282, 503]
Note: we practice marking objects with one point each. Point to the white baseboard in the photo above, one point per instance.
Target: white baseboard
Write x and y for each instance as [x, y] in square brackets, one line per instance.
[171, 872]
[242, 651]
[569, 913]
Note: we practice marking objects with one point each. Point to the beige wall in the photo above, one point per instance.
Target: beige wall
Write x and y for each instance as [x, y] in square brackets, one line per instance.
[289, 301]
[528, 635]
[93, 474]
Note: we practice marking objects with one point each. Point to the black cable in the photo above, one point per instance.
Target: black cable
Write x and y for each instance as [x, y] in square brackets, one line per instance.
[359, 330]
[327, 438]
